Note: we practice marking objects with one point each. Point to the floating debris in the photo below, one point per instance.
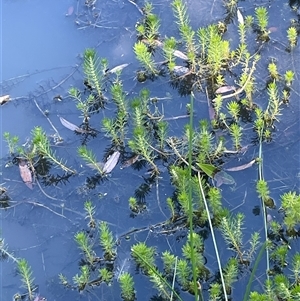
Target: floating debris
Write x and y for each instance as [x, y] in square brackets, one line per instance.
[111, 162]
[130, 161]
[70, 11]
[241, 167]
[25, 173]
[240, 17]
[4, 99]
[223, 178]
[117, 68]
[71, 126]
[180, 54]
[225, 89]
[181, 71]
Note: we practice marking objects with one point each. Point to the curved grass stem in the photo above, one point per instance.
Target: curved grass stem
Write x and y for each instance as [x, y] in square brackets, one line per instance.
[213, 238]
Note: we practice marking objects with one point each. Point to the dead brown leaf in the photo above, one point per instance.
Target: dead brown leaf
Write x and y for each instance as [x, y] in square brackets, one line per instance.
[25, 173]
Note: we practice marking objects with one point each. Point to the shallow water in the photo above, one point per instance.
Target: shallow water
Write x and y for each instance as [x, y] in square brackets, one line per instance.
[42, 58]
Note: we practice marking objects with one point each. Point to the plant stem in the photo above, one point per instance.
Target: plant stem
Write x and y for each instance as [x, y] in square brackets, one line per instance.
[261, 177]
[191, 198]
[213, 238]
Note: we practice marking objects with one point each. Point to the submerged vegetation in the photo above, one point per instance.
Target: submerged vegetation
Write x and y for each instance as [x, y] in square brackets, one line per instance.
[201, 61]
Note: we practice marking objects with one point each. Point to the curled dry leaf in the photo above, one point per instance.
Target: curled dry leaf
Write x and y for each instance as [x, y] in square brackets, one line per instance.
[241, 167]
[223, 178]
[240, 17]
[4, 99]
[117, 68]
[181, 55]
[180, 70]
[70, 125]
[111, 162]
[225, 89]
[25, 173]
[130, 161]
[176, 53]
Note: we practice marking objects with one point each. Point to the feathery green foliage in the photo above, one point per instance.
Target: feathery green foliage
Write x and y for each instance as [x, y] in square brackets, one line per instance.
[94, 69]
[106, 275]
[143, 256]
[12, 142]
[290, 203]
[86, 246]
[127, 287]
[262, 19]
[81, 280]
[107, 241]
[145, 58]
[27, 278]
[42, 147]
[89, 157]
[90, 212]
[292, 36]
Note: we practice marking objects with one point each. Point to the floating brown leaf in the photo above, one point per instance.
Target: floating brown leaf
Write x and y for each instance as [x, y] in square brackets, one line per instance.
[130, 161]
[4, 99]
[111, 162]
[25, 174]
[241, 167]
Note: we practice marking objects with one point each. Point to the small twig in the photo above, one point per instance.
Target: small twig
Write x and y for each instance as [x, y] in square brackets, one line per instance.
[138, 8]
[54, 128]
[158, 200]
[240, 90]
[180, 157]
[45, 194]
[176, 117]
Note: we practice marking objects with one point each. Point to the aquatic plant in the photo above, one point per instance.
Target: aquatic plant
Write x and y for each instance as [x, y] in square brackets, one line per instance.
[196, 160]
[234, 110]
[290, 204]
[5, 253]
[141, 140]
[89, 157]
[115, 128]
[262, 19]
[94, 69]
[90, 212]
[289, 77]
[105, 275]
[81, 280]
[27, 278]
[107, 241]
[143, 255]
[144, 57]
[236, 134]
[272, 68]
[12, 142]
[292, 36]
[42, 146]
[86, 246]
[127, 287]
[148, 28]
[186, 31]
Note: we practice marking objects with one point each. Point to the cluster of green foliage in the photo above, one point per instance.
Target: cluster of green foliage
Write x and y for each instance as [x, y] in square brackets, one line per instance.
[138, 128]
